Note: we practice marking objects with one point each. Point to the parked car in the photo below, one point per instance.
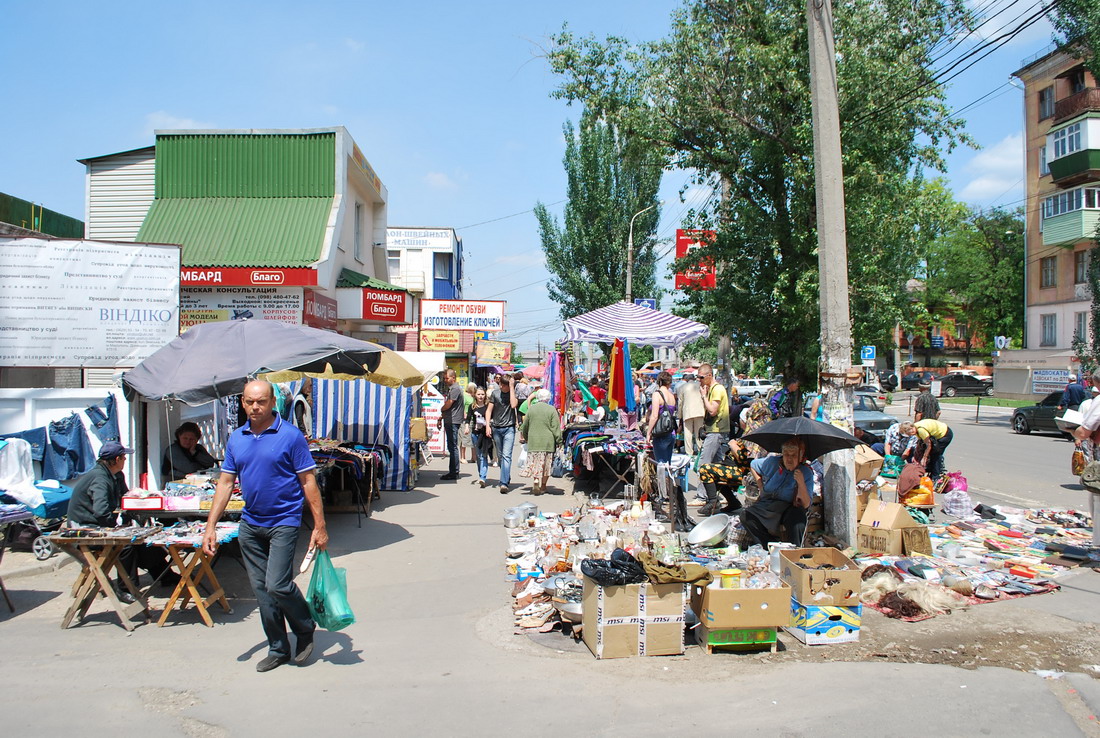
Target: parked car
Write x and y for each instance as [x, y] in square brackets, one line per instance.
[1040, 417]
[867, 411]
[753, 387]
[913, 380]
[888, 378]
[965, 384]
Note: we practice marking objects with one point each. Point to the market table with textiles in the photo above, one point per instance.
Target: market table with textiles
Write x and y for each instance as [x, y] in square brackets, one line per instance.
[365, 463]
[603, 458]
[10, 514]
[183, 542]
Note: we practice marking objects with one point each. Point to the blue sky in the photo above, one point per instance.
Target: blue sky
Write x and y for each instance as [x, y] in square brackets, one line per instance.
[449, 101]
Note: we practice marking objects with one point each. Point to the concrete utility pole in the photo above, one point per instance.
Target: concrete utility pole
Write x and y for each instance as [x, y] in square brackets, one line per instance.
[832, 260]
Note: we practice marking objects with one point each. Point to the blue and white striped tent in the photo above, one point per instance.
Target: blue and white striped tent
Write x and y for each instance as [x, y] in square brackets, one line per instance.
[367, 413]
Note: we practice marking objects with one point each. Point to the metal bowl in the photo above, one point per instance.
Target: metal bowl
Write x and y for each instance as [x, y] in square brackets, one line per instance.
[570, 611]
[710, 532]
[555, 581]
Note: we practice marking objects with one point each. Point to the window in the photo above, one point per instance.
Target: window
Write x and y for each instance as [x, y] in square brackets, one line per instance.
[1048, 325]
[1081, 325]
[1044, 169]
[1070, 200]
[1046, 103]
[393, 264]
[357, 251]
[1066, 140]
[1077, 81]
[962, 329]
[1047, 271]
[442, 266]
[1080, 267]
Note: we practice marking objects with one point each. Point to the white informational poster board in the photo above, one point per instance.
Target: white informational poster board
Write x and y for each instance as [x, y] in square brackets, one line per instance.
[431, 404]
[71, 303]
[1045, 381]
[211, 304]
[937, 388]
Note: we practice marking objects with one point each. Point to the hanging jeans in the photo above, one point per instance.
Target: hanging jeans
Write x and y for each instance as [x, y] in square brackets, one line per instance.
[68, 453]
[104, 420]
[36, 437]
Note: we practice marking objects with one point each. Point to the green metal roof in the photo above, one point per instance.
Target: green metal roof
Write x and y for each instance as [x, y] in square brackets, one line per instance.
[349, 278]
[240, 231]
[246, 165]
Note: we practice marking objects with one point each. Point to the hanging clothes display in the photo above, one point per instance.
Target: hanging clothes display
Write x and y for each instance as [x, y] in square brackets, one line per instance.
[629, 403]
[36, 437]
[616, 392]
[68, 451]
[104, 417]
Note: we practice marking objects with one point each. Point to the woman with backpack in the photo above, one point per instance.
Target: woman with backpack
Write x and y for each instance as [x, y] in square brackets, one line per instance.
[661, 426]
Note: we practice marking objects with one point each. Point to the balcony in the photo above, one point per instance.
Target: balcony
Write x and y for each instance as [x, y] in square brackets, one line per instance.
[1077, 103]
[411, 281]
[1080, 167]
[1069, 228]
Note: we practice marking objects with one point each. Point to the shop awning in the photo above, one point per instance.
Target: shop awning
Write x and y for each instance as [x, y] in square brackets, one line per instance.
[350, 278]
[241, 231]
[639, 325]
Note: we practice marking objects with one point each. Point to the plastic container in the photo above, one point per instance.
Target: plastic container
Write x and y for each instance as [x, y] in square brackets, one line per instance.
[731, 578]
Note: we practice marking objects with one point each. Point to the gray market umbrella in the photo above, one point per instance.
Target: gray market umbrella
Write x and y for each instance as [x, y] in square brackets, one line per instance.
[820, 438]
[212, 360]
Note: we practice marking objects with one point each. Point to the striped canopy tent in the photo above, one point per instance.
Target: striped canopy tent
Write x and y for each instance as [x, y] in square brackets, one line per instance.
[636, 324]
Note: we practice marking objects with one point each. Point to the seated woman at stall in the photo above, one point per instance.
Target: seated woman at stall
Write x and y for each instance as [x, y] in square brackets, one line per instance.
[186, 455]
[787, 485]
[725, 477]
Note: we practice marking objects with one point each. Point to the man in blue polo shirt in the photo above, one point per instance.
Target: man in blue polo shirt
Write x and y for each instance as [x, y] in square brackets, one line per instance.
[272, 459]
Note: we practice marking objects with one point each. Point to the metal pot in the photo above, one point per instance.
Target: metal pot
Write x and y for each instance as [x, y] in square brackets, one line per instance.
[710, 532]
[555, 581]
[513, 517]
[570, 611]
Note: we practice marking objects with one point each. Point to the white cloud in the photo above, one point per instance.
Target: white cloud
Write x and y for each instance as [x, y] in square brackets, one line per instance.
[354, 45]
[1007, 19]
[440, 181]
[996, 172]
[164, 120]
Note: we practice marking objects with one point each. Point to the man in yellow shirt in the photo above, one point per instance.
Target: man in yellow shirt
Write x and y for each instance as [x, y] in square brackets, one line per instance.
[936, 436]
[716, 405]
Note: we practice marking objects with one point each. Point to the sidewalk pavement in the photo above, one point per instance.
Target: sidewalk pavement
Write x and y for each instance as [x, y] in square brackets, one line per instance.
[433, 652]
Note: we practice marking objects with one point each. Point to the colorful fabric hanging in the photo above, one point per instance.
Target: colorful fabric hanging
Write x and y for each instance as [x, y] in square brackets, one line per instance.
[586, 394]
[615, 394]
[629, 404]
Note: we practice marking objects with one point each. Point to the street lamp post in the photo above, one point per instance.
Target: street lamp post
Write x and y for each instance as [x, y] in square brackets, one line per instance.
[630, 253]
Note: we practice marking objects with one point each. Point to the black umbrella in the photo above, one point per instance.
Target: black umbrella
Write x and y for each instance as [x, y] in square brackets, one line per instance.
[820, 438]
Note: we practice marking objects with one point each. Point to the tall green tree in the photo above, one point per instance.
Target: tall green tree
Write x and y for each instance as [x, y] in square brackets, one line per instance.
[727, 95]
[985, 254]
[609, 179]
[1077, 23]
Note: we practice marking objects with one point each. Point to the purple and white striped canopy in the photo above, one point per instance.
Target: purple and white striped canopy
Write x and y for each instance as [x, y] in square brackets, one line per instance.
[639, 325]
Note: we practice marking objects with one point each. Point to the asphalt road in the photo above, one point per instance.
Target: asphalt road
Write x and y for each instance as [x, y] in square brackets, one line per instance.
[1002, 466]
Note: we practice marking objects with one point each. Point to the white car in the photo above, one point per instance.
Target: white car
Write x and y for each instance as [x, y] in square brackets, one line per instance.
[753, 387]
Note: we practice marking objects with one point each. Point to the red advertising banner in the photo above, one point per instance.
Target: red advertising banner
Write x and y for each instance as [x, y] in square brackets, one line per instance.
[247, 277]
[319, 311]
[384, 306]
[703, 276]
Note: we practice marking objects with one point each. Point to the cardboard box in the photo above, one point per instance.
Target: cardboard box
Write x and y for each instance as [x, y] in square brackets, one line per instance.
[887, 527]
[418, 429]
[737, 638]
[720, 609]
[634, 619]
[152, 502]
[839, 584]
[868, 463]
[232, 506]
[821, 626]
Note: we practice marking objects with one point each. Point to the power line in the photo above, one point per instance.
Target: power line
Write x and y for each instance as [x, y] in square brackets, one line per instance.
[504, 217]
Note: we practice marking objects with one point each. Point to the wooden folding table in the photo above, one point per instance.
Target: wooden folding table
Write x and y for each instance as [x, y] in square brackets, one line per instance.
[193, 566]
[98, 555]
[5, 520]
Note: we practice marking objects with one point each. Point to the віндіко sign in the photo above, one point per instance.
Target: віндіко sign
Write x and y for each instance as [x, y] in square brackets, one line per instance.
[462, 315]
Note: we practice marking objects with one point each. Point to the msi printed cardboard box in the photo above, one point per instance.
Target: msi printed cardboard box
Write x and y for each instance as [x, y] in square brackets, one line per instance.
[634, 619]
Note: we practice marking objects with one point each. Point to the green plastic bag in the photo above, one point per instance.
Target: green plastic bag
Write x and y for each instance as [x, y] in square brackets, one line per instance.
[328, 594]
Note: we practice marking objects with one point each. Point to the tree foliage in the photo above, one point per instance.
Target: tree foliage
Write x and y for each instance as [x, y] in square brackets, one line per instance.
[727, 95]
[1077, 23]
[609, 179]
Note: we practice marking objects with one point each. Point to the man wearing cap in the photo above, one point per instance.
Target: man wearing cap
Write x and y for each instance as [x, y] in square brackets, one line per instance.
[1073, 395]
[97, 496]
[276, 470]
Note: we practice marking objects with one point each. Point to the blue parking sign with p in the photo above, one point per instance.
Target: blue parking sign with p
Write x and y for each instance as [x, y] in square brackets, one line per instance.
[867, 353]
